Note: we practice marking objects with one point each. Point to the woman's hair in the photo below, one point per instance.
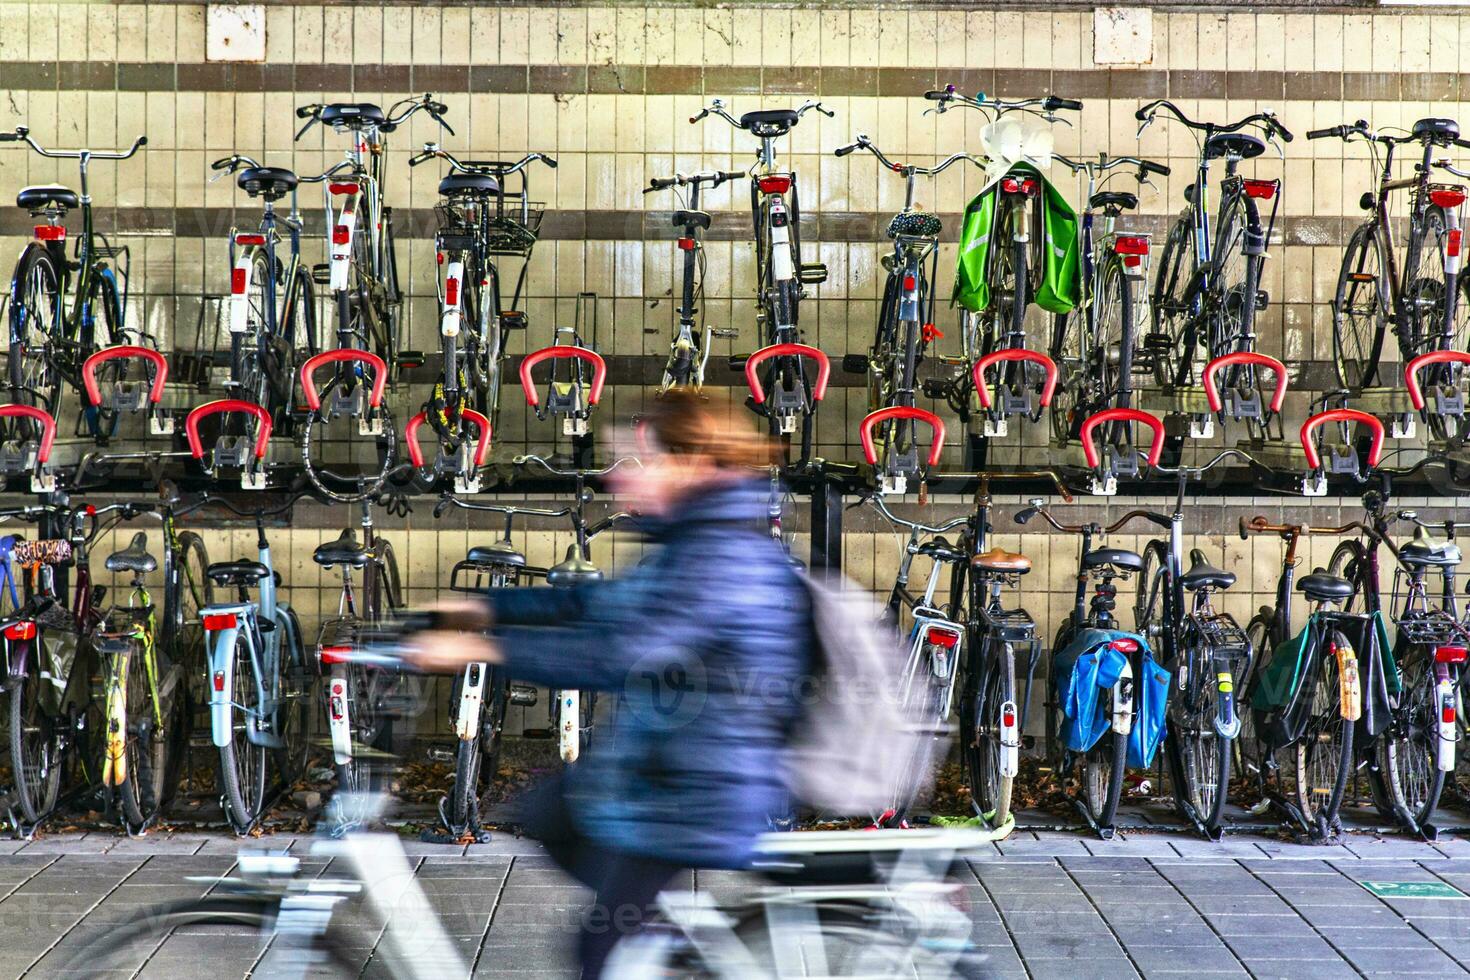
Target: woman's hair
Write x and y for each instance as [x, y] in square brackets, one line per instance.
[691, 422]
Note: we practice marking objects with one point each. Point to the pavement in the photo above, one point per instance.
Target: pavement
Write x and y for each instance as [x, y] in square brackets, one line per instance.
[1045, 904]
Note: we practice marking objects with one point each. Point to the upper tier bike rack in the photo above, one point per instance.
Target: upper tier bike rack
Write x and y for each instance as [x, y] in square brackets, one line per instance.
[17, 457]
[1342, 457]
[463, 464]
[1118, 458]
[1214, 399]
[787, 403]
[345, 399]
[130, 396]
[233, 450]
[901, 463]
[572, 400]
[1011, 401]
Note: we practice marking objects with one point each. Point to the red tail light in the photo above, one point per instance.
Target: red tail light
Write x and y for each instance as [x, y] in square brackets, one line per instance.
[1262, 190]
[686, 244]
[944, 638]
[1447, 197]
[343, 188]
[1025, 186]
[439, 257]
[1130, 245]
[775, 184]
[50, 233]
[1008, 717]
[239, 279]
[451, 292]
[910, 284]
[1450, 655]
[249, 239]
[24, 630]
[219, 680]
[335, 654]
[341, 234]
[1125, 644]
[220, 621]
[1452, 243]
[1447, 713]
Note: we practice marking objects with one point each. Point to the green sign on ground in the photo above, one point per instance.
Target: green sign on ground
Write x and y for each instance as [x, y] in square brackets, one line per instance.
[1413, 889]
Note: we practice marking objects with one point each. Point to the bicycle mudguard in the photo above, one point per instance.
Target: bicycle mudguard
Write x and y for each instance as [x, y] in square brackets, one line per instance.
[222, 627]
[339, 720]
[471, 702]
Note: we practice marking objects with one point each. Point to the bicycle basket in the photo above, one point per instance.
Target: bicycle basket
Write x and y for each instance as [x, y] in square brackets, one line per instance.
[508, 236]
[915, 224]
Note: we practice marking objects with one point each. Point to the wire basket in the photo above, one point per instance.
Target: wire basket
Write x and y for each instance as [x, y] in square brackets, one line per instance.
[510, 236]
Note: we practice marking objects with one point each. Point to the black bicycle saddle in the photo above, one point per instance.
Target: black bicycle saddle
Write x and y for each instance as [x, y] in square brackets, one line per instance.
[37, 197]
[1242, 145]
[133, 558]
[468, 185]
[1203, 575]
[353, 115]
[343, 551]
[271, 183]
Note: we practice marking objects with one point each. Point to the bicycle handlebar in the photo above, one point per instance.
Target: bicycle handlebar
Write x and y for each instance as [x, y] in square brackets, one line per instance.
[712, 177]
[448, 500]
[1266, 120]
[905, 169]
[23, 134]
[232, 163]
[546, 464]
[877, 501]
[717, 108]
[1106, 163]
[1259, 525]
[1043, 105]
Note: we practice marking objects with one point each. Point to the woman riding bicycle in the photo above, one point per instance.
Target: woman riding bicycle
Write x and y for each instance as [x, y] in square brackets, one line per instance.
[705, 643]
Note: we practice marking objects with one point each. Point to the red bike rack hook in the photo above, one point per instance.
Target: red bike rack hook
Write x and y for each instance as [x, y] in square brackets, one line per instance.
[416, 452]
[223, 406]
[1014, 354]
[1089, 451]
[40, 416]
[599, 370]
[865, 430]
[123, 352]
[1212, 391]
[341, 356]
[1412, 369]
[824, 368]
[1314, 459]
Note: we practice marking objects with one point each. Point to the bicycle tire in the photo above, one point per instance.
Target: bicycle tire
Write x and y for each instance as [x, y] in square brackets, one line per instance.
[247, 367]
[35, 747]
[1357, 344]
[1407, 752]
[1067, 353]
[1148, 608]
[1203, 757]
[242, 764]
[1348, 563]
[1234, 302]
[1112, 333]
[1102, 777]
[1249, 755]
[295, 707]
[464, 795]
[299, 327]
[990, 790]
[37, 327]
[148, 747]
[106, 328]
[1319, 800]
[1172, 297]
[181, 635]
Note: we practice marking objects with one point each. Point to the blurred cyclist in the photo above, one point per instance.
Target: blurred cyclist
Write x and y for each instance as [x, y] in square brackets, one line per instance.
[706, 643]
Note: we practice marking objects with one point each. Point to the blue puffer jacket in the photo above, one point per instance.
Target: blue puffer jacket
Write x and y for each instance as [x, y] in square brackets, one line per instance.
[704, 645]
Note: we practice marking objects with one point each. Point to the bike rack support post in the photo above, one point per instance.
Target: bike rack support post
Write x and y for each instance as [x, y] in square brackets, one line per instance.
[29, 458]
[894, 478]
[1235, 403]
[237, 452]
[1011, 402]
[1341, 459]
[565, 398]
[125, 397]
[1107, 466]
[826, 555]
[466, 468]
[787, 411]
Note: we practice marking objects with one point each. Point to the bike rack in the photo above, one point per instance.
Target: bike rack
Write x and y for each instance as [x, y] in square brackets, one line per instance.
[565, 398]
[369, 422]
[131, 396]
[466, 468]
[1236, 403]
[1342, 458]
[1117, 460]
[787, 403]
[1011, 402]
[28, 457]
[894, 478]
[233, 450]
[1449, 398]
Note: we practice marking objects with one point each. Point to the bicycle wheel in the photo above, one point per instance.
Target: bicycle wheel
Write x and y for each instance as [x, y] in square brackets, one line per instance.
[1425, 288]
[1348, 563]
[293, 715]
[1202, 755]
[1010, 285]
[1111, 351]
[242, 763]
[1323, 756]
[980, 723]
[1068, 354]
[884, 368]
[181, 637]
[149, 744]
[1249, 756]
[1102, 777]
[247, 372]
[1234, 281]
[1148, 609]
[298, 321]
[1408, 751]
[1173, 302]
[925, 704]
[37, 325]
[105, 329]
[1360, 309]
[35, 739]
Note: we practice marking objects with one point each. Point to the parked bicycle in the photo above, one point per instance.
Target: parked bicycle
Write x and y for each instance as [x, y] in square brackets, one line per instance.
[50, 341]
[1208, 293]
[690, 350]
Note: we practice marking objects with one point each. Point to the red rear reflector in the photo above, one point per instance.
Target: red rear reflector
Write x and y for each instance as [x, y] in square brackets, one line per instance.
[778, 184]
[91, 510]
[1261, 189]
[1130, 245]
[686, 244]
[1008, 718]
[1447, 715]
[25, 630]
[1450, 655]
[342, 188]
[249, 239]
[944, 638]
[340, 235]
[1452, 243]
[1447, 197]
[1125, 645]
[336, 655]
[1013, 186]
[451, 292]
[239, 279]
[51, 233]
[219, 621]
[439, 257]
[910, 284]
[219, 680]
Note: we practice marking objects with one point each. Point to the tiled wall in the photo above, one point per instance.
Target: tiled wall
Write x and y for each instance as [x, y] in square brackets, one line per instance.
[608, 89]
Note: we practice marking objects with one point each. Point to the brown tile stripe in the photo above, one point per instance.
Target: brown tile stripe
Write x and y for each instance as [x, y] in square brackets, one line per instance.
[615, 225]
[1260, 86]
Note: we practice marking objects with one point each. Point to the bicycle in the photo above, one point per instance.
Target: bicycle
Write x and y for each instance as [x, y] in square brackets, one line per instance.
[1208, 292]
[690, 350]
[905, 326]
[362, 273]
[48, 342]
[1093, 345]
[1420, 298]
[260, 687]
[474, 326]
[272, 305]
[786, 393]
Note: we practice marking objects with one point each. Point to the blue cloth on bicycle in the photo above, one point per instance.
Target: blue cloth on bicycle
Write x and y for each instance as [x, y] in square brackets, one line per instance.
[1085, 670]
[704, 644]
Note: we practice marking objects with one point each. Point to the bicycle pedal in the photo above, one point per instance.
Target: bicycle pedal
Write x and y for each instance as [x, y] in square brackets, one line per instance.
[438, 753]
[858, 364]
[321, 273]
[522, 694]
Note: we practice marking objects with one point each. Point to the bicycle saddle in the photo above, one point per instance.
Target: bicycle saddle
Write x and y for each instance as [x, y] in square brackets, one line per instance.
[1122, 200]
[940, 550]
[1242, 145]
[573, 570]
[133, 558]
[1424, 553]
[271, 183]
[685, 218]
[352, 115]
[1436, 129]
[1121, 559]
[37, 197]
[343, 551]
[468, 185]
[499, 553]
[782, 119]
[1000, 560]
[242, 572]
[916, 223]
[1203, 575]
[1322, 587]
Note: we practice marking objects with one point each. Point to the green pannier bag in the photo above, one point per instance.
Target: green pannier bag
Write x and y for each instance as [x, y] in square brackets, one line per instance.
[1060, 288]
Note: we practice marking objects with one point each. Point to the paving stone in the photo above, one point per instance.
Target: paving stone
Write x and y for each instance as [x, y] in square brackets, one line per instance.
[1266, 947]
[1232, 904]
[1401, 936]
[1092, 968]
[1277, 969]
[1403, 962]
[1350, 916]
[1133, 935]
[1137, 846]
[1259, 925]
[1042, 902]
[1065, 944]
[1191, 958]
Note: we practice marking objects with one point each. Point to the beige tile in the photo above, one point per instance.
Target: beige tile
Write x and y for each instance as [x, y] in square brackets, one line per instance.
[515, 38]
[484, 36]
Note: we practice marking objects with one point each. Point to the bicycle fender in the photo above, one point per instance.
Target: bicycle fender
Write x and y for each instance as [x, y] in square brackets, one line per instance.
[1447, 710]
[1227, 722]
[240, 290]
[339, 721]
[222, 686]
[471, 701]
[568, 734]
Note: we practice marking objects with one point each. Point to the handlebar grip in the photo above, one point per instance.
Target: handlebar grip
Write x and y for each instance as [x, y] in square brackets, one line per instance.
[306, 110]
[843, 151]
[660, 183]
[1317, 134]
[1245, 525]
[937, 95]
[437, 108]
[548, 161]
[9, 137]
[1054, 102]
[1155, 168]
[1025, 514]
[1283, 132]
[1140, 115]
[419, 158]
[731, 174]
[217, 165]
[440, 508]
[1463, 144]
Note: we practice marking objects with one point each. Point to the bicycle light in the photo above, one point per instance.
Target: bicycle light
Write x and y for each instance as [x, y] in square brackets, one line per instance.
[774, 184]
[1261, 190]
[249, 239]
[336, 654]
[25, 630]
[1449, 654]
[219, 680]
[1125, 644]
[50, 233]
